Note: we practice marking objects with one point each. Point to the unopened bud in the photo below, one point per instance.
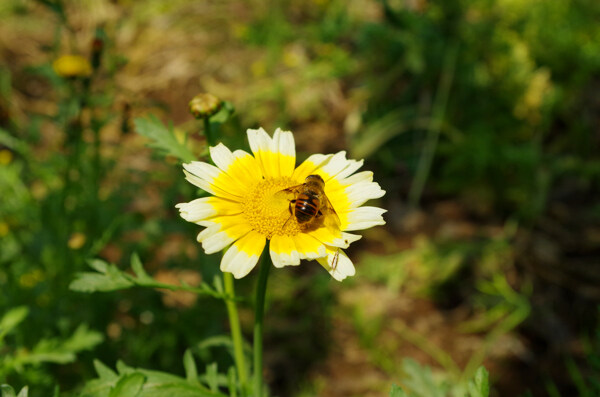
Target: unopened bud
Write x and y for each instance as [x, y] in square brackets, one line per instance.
[97, 48]
[205, 105]
[72, 66]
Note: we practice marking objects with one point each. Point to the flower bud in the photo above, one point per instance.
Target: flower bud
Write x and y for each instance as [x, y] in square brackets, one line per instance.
[205, 105]
[72, 66]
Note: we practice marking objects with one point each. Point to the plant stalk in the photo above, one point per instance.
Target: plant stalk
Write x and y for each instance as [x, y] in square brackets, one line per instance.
[236, 330]
[261, 289]
[208, 132]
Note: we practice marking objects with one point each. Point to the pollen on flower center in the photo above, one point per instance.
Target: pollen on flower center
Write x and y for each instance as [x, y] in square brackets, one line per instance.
[268, 212]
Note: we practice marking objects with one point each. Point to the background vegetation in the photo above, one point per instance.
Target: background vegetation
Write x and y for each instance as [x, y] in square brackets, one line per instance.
[480, 118]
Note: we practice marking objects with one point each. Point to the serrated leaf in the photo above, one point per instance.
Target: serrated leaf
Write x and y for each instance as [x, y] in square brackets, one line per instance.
[104, 372]
[157, 384]
[189, 364]
[162, 138]
[108, 278]
[98, 265]
[93, 282]
[212, 378]
[480, 386]
[419, 380]
[123, 368]
[397, 391]
[83, 339]
[11, 319]
[129, 385]
[24, 392]
[7, 391]
[138, 268]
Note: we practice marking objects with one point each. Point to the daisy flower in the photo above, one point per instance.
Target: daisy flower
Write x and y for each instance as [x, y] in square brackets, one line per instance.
[247, 208]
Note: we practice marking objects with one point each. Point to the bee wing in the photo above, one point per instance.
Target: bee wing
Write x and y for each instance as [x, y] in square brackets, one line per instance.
[332, 221]
[290, 192]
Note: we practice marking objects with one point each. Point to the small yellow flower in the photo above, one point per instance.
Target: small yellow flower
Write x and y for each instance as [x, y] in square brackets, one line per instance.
[246, 208]
[76, 241]
[5, 156]
[72, 66]
[4, 229]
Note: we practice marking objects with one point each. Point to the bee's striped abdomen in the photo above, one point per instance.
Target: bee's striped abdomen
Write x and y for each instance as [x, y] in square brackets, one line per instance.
[306, 207]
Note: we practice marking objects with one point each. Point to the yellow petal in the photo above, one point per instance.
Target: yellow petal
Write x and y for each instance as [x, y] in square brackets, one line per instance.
[243, 255]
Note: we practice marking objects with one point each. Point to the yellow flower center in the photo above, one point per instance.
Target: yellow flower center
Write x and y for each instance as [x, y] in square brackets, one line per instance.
[268, 211]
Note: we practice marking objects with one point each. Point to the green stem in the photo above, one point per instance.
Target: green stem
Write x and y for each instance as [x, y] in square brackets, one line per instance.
[208, 132]
[261, 290]
[236, 331]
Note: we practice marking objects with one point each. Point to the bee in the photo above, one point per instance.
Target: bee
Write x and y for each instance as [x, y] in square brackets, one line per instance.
[310, 206]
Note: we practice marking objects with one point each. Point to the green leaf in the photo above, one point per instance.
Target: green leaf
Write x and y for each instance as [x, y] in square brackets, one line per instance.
[11, 319]
[138, 269]
[480, 386]
[98, 265]
[157, 384]
[7, 391]
[162, 138]
[212, 377]
[232, 382]
[223, 114]
[61, 352]
[24, 392]
[419, 380]
[191, 373]
[108, 278]
[13, 143]
[82, 339]
[104, 372]
[129, 385]
[397, 392]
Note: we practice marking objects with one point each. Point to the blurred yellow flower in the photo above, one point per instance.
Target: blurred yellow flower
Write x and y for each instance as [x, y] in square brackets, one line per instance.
[76, 241]
[5, 157]
[31, 279]
[72, 66]
[303, 211]
[4, 229]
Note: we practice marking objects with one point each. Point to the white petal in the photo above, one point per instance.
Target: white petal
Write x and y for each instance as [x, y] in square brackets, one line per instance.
[334, 166]
[283, 142]
[352, 166]
[221, 156]
[205, 175]
[364, 218]
[283, 252]
[258, 140]
[215, 241]
[196, 210]
[359, 193]
[243, 255]
[343, 268]
[364, 176]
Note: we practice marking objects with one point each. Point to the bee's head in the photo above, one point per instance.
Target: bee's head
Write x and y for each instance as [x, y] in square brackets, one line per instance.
[315, 179]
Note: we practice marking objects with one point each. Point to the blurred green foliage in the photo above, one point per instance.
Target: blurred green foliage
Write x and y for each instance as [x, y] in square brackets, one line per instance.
[493, 103]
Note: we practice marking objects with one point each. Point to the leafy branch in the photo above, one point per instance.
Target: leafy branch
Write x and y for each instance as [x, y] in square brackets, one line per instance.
[108, 277]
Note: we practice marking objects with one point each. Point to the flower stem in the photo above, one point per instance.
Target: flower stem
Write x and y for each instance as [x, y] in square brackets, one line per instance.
[208, 132]
[236, 332]
[261, 290]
